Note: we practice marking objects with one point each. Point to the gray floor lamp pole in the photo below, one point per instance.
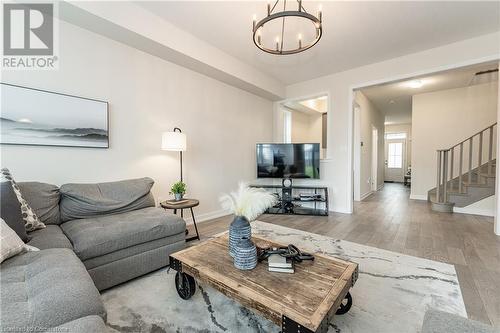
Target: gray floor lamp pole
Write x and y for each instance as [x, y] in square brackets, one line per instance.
[177, 129]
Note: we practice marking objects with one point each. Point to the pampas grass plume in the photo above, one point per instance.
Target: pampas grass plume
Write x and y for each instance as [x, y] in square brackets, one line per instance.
[248, 201]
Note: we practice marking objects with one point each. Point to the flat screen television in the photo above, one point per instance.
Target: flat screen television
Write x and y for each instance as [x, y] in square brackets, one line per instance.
[288, 160]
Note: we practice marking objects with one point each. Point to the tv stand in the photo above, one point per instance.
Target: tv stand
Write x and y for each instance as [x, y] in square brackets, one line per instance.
[298, 200]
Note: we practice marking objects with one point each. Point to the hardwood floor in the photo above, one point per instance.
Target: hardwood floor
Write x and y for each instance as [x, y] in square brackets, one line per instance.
[389, 220]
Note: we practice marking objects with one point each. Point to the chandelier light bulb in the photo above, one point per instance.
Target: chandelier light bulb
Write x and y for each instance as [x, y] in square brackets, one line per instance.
[300, 41]
[268, 7]
[254, 21]
[320, 12]
[277, 43]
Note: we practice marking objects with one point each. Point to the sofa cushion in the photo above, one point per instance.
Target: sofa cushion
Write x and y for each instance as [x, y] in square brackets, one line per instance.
[44, 199]
[46, 289]
[93, 324]
[79, 201]
[98, 236]
[134, 250]
[10, 209]
[49, 238]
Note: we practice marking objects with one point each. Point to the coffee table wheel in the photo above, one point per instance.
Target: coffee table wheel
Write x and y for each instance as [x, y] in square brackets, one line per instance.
[185, 285]
[345, 305]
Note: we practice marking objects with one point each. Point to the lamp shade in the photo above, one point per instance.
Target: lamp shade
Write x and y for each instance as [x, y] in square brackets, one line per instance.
[173, 141]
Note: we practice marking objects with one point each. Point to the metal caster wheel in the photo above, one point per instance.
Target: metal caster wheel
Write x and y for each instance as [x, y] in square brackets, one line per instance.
[185, 285]
[345, 305]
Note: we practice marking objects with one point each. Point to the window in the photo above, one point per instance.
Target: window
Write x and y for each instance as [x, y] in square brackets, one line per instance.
[395, 155]
[287, 127]
[393, 136]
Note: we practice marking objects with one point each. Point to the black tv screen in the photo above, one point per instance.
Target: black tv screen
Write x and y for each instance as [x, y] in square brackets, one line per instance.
[288, 160]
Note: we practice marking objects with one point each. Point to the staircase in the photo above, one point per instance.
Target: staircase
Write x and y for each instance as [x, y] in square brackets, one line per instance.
[461, 183]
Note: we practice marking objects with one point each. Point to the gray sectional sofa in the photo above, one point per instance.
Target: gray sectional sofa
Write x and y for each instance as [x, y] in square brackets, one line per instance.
[97, 236]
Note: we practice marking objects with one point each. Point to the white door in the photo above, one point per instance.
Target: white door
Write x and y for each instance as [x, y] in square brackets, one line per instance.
[394, 159]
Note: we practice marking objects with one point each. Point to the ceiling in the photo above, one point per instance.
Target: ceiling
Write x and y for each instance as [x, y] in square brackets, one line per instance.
[394, 100]
[355, 33]
[311, 106]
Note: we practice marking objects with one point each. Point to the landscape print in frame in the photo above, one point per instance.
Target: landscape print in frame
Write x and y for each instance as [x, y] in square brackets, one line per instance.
[31, 116]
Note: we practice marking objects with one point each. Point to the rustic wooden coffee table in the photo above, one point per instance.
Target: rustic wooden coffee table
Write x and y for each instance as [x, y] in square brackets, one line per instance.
[301, 302]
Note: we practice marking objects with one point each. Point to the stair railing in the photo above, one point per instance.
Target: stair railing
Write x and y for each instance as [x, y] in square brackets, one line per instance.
[446, 159]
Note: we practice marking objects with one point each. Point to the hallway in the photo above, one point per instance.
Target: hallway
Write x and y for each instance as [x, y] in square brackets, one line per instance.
[389, 220]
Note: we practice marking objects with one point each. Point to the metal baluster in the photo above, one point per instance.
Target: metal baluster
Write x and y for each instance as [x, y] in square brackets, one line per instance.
[490, 151]
[480, 155]
[438, 196]
[470, 161]
[445, 176]
[451, 167]
[460, 167]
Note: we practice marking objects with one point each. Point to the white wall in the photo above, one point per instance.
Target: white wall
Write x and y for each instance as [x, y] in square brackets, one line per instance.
[339, 88]
[442, 119]
[301, 127]
[402, 128]
[147, 95]
[306, 128]
[370, 117]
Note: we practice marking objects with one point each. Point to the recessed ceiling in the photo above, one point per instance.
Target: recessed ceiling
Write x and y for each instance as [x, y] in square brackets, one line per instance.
[394, 100]
[311, 106]
[355, 33]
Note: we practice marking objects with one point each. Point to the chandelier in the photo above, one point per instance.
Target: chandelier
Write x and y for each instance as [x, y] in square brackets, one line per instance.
[287, 41]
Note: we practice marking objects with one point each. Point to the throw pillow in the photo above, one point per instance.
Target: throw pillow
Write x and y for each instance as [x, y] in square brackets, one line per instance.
[10, 209]
[10, 243]
[31, 221]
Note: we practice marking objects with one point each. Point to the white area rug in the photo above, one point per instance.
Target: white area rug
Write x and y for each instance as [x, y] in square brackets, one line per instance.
[392, 294]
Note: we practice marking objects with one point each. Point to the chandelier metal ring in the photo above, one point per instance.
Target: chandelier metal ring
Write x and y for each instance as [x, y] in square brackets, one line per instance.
[317, 21]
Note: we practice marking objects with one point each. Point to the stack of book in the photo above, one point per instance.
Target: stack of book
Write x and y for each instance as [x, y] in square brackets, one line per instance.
[277, 263]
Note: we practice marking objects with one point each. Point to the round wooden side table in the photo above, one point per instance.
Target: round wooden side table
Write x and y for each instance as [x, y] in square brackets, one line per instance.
[189, 204]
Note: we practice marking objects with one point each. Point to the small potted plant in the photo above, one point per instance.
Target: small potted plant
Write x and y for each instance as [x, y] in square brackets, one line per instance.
[178, 190]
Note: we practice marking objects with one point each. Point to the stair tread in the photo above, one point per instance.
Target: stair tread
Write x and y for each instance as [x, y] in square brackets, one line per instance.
[464, 194]
[483, 174]
[474, 184]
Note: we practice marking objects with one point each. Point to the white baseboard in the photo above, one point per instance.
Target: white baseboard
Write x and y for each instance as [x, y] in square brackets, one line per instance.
[366, 195]
[474, 211]
[418, 197]
[204, 217]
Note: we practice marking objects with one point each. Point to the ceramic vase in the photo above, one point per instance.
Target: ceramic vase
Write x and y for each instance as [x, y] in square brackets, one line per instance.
[239, 228]
[245, 257]
[178, 196]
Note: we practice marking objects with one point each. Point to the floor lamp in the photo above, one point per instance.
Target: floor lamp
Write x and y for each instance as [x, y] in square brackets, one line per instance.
[174, 141]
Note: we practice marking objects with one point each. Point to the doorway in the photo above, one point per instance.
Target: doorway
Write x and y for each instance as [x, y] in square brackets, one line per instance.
[304, 121]
[374, 175]
[394, 160]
